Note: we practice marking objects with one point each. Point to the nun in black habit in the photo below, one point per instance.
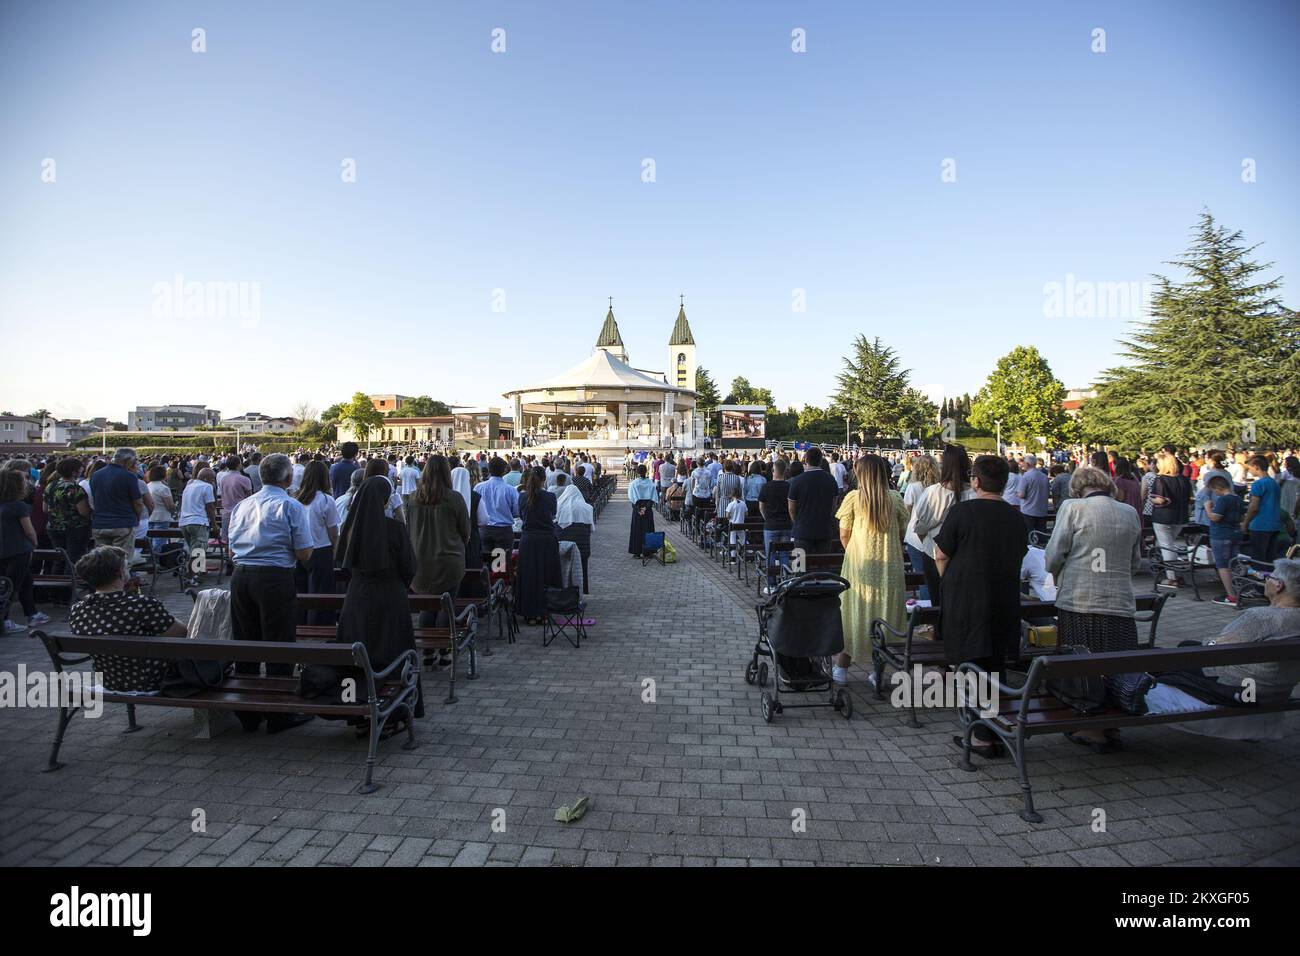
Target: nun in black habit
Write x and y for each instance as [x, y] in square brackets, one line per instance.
[376, 611]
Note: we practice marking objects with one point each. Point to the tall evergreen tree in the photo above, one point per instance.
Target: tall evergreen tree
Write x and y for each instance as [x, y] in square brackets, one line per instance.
[707, 398]
[872, 389]
[1218, 359]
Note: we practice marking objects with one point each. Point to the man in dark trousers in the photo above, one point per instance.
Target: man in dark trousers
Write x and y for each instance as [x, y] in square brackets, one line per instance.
[269, 534]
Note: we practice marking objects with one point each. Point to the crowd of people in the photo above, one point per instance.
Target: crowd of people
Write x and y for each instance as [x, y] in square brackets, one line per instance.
[977, 531]
[285, 524]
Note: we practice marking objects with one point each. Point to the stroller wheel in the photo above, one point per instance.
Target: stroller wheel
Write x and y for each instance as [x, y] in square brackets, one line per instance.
[762, 674]
[751, 672]
[765, 706]
[844, 703]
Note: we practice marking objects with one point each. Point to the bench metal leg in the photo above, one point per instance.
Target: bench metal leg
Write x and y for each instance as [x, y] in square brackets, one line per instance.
[455, 658]
[967, 729]
[907, 672]
[878, 666]
[370, 786]
[1020, 756]
[65, 717]
[131, 725]
[471, 644]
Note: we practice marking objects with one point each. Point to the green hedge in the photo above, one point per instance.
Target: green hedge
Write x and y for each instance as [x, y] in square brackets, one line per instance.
[183, 443]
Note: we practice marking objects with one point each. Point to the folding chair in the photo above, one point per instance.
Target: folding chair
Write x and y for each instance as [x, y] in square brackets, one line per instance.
[1183, 562]
[653, 547]
[567, 603]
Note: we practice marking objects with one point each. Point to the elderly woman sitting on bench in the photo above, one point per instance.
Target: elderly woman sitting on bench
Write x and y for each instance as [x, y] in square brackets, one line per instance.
[114, 609]
[1272, 682]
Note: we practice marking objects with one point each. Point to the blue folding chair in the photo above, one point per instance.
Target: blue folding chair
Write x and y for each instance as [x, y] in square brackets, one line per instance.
[653, 547]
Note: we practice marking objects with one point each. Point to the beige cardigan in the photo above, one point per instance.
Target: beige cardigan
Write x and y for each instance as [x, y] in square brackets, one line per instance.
[931, 509]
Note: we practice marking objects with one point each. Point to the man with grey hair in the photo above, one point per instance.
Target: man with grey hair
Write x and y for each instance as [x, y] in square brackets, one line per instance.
[1032, 490]
[118, 502]
[269, 534]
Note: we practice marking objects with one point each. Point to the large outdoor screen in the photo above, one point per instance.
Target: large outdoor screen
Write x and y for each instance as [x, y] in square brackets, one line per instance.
[743, 423]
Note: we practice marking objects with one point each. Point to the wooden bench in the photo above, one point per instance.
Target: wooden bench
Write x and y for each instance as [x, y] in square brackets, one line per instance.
[749, 548]
[62, 582]
[460, 637]
[381, 695]
[1030, 711]
[903, 650]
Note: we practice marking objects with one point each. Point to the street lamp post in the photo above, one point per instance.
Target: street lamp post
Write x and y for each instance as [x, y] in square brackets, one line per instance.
[846, 432]
[998, 422]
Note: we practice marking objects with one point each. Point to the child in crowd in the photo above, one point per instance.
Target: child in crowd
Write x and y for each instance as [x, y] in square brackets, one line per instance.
[737, 513]
[1224, 512]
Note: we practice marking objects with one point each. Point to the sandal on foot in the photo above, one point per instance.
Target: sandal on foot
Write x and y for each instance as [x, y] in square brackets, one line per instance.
[988, 751]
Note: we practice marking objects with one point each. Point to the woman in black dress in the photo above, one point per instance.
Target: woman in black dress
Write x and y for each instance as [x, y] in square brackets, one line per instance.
[539, 548]
[643, 494]
[376, 612]
[978, 554]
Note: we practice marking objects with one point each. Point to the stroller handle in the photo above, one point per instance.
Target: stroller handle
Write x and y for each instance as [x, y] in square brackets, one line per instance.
[813, 578]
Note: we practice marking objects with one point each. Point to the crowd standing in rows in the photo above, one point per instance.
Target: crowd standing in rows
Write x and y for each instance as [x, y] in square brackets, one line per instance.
[977, 531]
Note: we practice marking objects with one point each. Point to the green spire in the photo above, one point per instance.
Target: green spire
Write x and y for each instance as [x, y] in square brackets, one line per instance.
[682, 329]
[609, 331]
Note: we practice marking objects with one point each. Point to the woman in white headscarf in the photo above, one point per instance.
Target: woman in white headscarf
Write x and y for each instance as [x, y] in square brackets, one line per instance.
[572, 508]
[460, 482]
[574, 518]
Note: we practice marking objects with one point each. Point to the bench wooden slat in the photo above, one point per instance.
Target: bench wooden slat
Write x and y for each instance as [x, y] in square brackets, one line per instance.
[189, 648]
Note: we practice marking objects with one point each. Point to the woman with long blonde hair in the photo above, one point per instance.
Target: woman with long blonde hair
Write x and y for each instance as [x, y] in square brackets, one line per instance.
[872, 520]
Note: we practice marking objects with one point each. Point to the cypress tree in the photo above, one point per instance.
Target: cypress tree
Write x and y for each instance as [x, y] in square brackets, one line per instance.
[1216, 360]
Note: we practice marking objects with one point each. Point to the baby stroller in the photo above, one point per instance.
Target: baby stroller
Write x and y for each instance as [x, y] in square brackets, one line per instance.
[799, 630]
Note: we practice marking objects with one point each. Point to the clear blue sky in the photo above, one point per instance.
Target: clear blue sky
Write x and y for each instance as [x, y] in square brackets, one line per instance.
[522, 171]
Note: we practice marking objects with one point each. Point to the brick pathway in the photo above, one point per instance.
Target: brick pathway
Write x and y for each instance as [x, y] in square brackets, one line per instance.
[693, 778]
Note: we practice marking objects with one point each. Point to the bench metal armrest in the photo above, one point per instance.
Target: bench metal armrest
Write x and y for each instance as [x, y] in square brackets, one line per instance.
[1025, 693]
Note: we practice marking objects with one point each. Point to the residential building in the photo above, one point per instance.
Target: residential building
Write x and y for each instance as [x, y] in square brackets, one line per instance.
[388, 403]
[19, 430]
[253, 423]
[154, 418]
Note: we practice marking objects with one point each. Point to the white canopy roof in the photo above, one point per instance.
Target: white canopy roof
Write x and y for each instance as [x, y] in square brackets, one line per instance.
[602, 370]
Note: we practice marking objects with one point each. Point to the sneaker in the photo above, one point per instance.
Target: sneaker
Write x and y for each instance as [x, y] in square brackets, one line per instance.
[1171, 585]
[13, 627]
[1226, 601]
[37, 619]
[840, 674]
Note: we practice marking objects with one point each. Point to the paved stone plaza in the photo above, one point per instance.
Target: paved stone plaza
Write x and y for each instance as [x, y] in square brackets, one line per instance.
[694, 778]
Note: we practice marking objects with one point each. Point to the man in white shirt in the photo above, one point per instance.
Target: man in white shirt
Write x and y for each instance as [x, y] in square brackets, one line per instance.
[1033, 568]
[837, 470]
[198, 514]
[410, 477]
[1010, 493]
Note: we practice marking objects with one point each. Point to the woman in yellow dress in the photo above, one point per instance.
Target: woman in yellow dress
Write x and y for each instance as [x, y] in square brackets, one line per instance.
[872, 520]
